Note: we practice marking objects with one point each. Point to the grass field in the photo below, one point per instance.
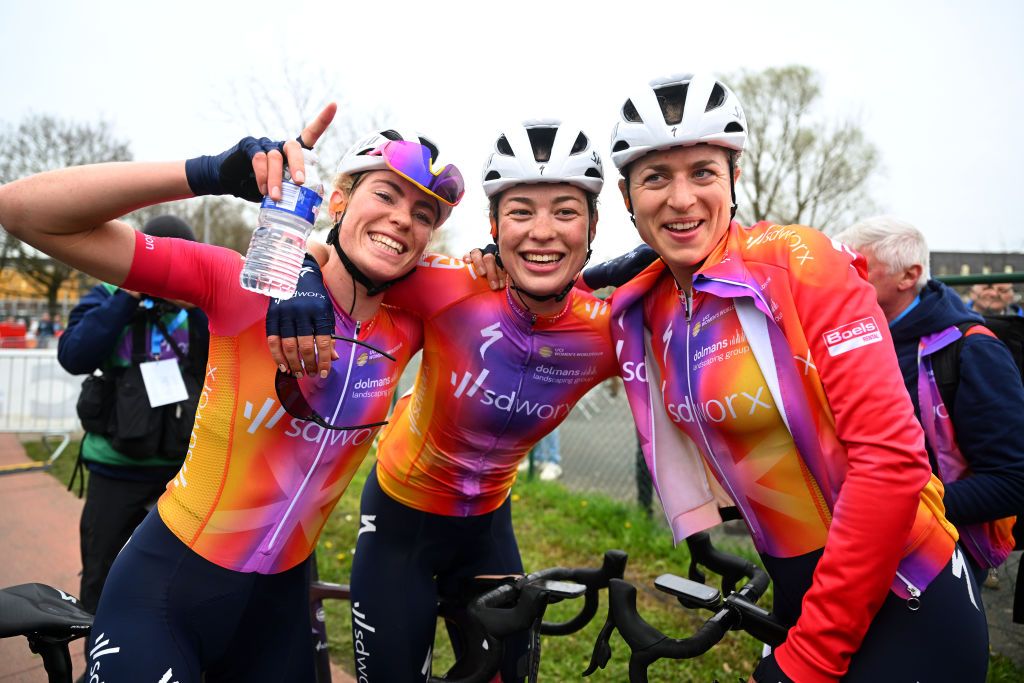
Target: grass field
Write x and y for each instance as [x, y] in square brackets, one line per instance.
[558, 528]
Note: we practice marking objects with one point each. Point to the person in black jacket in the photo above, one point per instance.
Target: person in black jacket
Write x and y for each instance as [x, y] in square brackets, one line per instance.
[976, 445]
[124, 483]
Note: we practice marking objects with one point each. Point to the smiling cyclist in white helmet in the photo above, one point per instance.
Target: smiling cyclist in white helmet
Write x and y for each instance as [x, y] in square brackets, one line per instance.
[501, 369]
[213, 585]
[778, 374]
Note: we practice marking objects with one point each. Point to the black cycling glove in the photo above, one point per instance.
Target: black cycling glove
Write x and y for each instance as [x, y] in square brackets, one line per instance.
[492, 248]
[620, 269]
[308, 312]
[230, 172]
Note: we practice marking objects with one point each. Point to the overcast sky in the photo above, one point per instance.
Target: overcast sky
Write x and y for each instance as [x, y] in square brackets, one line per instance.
[935, 85]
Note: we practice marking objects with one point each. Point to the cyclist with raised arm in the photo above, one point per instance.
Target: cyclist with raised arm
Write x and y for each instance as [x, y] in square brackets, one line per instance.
[768, 362]
[500, 369]
[213, 585]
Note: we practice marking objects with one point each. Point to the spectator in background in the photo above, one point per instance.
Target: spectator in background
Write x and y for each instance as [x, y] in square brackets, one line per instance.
[976, 445]
[45, 331]
[548, 456]
[994, 299]
[108, 330]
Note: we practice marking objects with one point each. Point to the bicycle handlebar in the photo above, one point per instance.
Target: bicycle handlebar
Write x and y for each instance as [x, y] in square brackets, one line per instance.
[519, 606]
[613, 567]
[738, 610]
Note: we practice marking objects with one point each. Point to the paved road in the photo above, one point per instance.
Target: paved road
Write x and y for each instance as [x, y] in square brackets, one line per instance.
[39, 543]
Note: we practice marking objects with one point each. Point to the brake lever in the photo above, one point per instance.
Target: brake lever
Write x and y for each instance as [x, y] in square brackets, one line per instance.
[602, 647]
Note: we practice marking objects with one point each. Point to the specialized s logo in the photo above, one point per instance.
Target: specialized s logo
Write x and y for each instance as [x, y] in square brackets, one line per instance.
[852, 336]
[491, 333]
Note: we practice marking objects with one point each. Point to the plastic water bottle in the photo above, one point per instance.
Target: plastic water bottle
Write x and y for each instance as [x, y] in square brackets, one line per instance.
[278, 244]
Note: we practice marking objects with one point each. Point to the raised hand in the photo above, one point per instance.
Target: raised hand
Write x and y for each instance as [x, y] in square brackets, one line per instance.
[254, 167]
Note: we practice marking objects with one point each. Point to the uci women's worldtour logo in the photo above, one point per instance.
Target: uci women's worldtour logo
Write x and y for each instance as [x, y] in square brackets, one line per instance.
[852, 336]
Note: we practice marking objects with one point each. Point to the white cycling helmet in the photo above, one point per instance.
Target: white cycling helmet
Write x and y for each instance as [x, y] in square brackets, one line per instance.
[542, 151]
[710, 114]
[357, 158]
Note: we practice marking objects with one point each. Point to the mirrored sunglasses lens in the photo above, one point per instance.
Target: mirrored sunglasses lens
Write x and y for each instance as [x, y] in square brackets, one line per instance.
[290, 395]
[411, 159]
[449, 186]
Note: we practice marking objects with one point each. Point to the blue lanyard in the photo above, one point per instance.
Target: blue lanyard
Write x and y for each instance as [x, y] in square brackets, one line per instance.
[156, 337]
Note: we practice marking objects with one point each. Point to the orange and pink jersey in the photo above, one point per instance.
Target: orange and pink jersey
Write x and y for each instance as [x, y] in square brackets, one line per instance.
[777, 376]
[494, 380]
[257, 485]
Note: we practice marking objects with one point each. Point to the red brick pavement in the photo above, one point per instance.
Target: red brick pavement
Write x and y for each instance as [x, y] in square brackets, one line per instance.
[39, 543]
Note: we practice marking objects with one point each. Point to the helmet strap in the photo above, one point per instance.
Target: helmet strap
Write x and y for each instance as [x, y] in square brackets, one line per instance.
[372, 288]
[732, 184]
[629, 199]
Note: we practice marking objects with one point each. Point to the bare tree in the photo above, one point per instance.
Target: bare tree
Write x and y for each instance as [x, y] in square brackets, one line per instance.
[41, 143]
[280, 105]
[799, 166]
[216, 220]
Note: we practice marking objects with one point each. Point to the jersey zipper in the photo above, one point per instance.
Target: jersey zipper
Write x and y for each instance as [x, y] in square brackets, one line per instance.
[519, 386]
[687, 300]
[914, 601]
[319, 454]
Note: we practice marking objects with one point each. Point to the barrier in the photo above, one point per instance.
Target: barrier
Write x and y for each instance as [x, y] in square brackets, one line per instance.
[37, 396]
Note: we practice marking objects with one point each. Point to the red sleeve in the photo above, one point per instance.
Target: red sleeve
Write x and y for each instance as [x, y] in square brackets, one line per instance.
[437, 283]
[202, 274]
[887, 466]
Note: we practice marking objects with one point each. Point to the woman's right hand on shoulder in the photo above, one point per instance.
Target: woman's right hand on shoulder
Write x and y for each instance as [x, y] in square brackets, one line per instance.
[299, 329]
[254, 167]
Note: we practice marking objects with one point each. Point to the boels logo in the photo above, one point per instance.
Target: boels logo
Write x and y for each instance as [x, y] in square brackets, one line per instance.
[852, 336]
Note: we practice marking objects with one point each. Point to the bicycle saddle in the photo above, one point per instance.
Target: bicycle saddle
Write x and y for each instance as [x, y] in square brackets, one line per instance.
[35, 608]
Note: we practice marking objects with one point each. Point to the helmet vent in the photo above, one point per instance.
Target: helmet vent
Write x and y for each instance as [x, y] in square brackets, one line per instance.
[434, 154]
[542, 140]
[503, 147]
[493, 175]
[592, 173]
[620, 145]
[580, 144]
[391, 134]
[717, 97]
[630, 113]
[733, 127]
[672, 99]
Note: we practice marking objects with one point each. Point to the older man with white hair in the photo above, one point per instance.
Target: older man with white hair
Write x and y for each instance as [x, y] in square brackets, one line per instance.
[967, 394]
